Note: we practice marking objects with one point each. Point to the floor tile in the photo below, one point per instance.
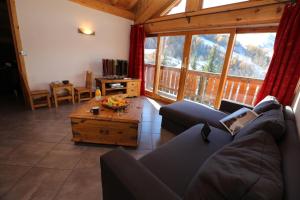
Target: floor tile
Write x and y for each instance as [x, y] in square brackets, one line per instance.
[38, 184]
[160, 139]
[70, 147]
[151, 127]
[9, 175]
[8, 145]
[44, 162]
[145, 142]
[60, 159]
[89, 159]
[28, 154]
[82, 184]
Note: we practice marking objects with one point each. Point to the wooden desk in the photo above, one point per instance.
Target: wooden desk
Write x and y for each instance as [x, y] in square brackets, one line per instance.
[131, 87]
[55, 88]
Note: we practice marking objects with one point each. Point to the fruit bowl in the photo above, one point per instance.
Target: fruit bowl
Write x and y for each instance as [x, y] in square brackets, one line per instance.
[114, 103]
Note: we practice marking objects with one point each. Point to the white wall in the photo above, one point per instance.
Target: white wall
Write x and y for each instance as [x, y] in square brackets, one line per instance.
[296, 108]
[56, 51]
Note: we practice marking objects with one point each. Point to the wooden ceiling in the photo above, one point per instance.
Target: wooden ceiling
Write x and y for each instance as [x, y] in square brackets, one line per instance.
[137, 10]
[123, 4]
[150, 12]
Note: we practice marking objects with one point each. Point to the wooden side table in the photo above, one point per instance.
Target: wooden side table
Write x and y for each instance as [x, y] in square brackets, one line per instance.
[40, 98]
[56, 87]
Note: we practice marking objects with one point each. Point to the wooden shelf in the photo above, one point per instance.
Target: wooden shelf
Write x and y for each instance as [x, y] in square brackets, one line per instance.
[112, 89]
[131, 87]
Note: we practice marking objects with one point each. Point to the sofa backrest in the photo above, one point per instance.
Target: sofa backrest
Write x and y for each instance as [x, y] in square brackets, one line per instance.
[290, 151]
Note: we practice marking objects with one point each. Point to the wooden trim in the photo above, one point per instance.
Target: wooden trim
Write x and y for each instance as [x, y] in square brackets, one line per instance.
[266, 29]
[98, 5]
[18, 49]
[151, 35]
[157, 65]
[224, 72]
[159, 98]
[214, 10]
[263, 29]
[265, 15]
[184, 67]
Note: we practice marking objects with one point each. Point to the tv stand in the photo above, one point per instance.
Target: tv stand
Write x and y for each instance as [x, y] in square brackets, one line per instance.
[129, 87]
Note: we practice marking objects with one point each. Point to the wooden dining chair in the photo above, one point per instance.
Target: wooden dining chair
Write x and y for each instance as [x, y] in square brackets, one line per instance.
[85, 93]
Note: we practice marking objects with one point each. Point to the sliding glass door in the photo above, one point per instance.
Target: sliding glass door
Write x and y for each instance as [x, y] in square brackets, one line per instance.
[150, 52]
[206, 61]
[208, 66]
[170, 63]
[248, 66]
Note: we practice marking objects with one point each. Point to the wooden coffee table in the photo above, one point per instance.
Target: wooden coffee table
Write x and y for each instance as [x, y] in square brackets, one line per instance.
[109, 127]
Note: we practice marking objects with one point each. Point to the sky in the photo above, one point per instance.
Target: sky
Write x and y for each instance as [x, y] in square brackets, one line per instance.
[213, 3]
[206, 4]
[255, 39]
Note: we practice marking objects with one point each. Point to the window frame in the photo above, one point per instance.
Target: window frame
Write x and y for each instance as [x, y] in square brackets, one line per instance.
[186, 52]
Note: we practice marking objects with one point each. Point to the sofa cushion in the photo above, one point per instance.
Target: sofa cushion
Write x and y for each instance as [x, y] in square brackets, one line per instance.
[268, 103]
[248, 168]
[177, 162]
[271, 121]
[189, 114]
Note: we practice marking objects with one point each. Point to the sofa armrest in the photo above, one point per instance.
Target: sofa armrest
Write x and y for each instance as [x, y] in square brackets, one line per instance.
[228, 106]
[124, 178]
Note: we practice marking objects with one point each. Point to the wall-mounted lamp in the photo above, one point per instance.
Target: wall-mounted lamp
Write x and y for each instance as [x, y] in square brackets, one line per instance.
[86, 31]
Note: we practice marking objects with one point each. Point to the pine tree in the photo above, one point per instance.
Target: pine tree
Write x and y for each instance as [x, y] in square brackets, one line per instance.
[210, 67]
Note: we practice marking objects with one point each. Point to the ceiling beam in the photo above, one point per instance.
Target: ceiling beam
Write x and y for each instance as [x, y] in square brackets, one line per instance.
[193, 5]
[98, 5]
[114, 2]
[241, 17]
[168, 8]
[131, 4]
[150, 8]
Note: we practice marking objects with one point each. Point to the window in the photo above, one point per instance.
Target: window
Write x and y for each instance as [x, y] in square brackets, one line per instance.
[206, 62]
[172, 51]
[150, 50]
[149, 60]
[215, 3]
[170, 64]
[252, 55]
[180, 8]
[249, 64]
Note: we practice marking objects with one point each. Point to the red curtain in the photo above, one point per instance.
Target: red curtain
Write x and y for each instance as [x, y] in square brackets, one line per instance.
[136, 54]
[284, 71]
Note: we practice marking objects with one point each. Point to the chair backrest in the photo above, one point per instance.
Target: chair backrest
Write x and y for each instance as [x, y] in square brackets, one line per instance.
[88, 79]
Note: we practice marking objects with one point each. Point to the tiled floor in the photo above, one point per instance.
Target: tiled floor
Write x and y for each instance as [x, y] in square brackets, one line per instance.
[39, 161]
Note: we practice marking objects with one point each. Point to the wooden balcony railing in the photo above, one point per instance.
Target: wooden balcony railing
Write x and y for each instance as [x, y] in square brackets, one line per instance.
[203, 86]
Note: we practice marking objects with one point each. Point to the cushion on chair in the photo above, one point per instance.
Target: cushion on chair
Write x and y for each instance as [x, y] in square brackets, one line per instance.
[248, 168]
[268, 103]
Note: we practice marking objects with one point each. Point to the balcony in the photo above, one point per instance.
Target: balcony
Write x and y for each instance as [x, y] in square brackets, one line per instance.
[203, 86]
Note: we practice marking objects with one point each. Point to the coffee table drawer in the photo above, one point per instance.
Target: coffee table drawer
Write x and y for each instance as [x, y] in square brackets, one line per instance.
[105, 132]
